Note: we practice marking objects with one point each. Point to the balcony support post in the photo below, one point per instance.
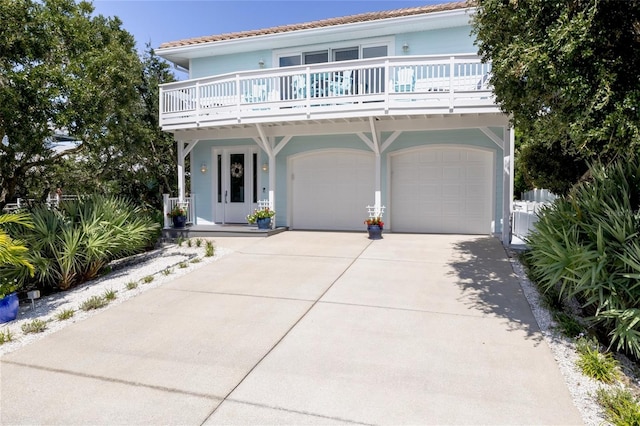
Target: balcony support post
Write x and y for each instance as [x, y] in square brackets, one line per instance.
[181, 185]
[507, 184]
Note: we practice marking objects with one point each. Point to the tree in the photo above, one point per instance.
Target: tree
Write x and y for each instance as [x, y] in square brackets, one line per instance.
[60, 69]
[134, 158]
[566, 72]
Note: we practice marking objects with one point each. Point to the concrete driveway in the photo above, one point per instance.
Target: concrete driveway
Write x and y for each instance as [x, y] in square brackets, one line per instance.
[305, 328]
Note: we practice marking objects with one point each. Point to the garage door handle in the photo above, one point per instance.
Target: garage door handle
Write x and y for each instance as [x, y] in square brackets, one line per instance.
[225, 197]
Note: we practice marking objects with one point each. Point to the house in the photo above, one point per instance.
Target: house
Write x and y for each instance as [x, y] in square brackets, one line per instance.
[319, 120]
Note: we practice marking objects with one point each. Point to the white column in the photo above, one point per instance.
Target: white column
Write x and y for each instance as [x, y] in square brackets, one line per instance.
[507, 184]
[378, 184]
[272, 181]
[181, 184]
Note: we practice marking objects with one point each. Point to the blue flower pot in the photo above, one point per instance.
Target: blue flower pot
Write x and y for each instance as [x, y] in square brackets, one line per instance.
[9, 308]
[375, 232]
[264, 223]
[179, 221]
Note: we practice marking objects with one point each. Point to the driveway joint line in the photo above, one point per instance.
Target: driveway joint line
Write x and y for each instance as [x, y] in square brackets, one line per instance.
[396, 308]
[306, 413]
[112, 380]
[298, 255]
[259, 296]
[288, 331]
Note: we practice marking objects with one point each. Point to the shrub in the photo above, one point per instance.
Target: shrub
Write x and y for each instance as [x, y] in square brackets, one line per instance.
[75, 242]
[109, 295]
[209, 250]
[620, 406]
[147, 279]
[94, 302]
[5, 336]
[35, 326]
[586, 246]
[65, 314]
[593, 363]
[132, 285]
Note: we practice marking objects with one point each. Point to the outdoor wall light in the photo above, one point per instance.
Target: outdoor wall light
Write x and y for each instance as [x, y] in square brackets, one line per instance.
[261, 63]
[265, 167]
[203, 168]
[405, 47]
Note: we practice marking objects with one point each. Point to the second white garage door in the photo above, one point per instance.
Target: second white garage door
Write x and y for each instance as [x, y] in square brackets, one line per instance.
[330, 190]
[442, 190]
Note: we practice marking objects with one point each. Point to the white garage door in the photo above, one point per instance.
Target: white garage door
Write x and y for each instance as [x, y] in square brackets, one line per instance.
[330, 190]
[442, 190]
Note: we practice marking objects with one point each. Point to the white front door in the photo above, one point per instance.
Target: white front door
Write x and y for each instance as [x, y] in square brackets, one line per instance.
[237, 181]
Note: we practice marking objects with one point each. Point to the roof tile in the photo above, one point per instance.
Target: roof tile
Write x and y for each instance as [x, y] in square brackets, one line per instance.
[363, 17]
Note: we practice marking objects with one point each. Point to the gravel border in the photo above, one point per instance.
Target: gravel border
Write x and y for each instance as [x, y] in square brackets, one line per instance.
[124, 271]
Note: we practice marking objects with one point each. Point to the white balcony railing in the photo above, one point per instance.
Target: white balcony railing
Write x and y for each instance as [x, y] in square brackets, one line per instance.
[382, 85]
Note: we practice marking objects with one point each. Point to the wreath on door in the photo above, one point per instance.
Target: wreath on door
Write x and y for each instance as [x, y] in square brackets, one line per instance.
[236, 170]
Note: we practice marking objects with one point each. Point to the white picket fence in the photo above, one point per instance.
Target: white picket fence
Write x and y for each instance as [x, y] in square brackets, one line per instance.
[52, 201]
[524, 217]
[539, 196]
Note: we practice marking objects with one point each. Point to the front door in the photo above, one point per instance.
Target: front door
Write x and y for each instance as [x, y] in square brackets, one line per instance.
[237, 177]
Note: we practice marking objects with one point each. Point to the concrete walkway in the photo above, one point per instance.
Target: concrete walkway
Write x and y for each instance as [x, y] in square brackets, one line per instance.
[305, 328]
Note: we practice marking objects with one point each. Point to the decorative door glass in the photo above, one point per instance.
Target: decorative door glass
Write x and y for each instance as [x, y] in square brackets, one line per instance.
[237, 171]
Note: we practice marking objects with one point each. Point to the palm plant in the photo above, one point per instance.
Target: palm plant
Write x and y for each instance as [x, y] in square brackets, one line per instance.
[73, 243]
[13, 253]
[585, 246]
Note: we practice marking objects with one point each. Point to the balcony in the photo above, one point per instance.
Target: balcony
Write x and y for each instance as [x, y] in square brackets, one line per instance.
[415, 85]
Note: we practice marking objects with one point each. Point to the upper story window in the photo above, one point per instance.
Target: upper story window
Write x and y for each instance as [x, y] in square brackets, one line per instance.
[330, 54]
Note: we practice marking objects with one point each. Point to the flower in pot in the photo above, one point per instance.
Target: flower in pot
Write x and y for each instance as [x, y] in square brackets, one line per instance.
[179, 216]
[262, 217]
[374, 227]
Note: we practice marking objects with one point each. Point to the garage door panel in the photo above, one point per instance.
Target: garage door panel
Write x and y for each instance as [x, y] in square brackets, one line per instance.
[330, 190]
[442, 190]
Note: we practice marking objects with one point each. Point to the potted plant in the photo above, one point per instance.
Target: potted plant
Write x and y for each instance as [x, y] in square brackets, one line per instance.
[8, 300]
[262, 217]
[374, 227]
[179, 216]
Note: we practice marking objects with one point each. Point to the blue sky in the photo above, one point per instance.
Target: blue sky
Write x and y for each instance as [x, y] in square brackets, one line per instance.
[158, 21]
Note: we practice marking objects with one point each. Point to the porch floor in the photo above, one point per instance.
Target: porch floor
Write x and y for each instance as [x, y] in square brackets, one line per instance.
[228, 230]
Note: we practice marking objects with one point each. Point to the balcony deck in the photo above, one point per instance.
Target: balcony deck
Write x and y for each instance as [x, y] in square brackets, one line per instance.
[385, 86]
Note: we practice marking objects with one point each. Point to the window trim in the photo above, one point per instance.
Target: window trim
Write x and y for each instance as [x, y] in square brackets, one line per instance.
[330, 47]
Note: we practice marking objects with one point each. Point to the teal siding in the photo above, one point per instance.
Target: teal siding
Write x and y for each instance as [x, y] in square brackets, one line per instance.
[202, 184]
[444, 41]
[223, 64]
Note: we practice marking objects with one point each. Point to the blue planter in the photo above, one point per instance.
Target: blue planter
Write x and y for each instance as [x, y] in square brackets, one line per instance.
[264, 223]
[9, 308]
[375, 232]
[179, 221]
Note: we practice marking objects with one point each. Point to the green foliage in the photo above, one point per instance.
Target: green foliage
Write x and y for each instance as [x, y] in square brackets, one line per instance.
[13, 253]
[65, 314]
[147, 279]
[586, 246]
[73, 243]
[182, 265]
[131, 285]
[564, 72]
[109, 295]
[5, 336]
[567, 324]
[94, 302]
[595, 364]
[209, 249]
[620, 406]
[264, 213]
[34, 326]
[196, 260]
[198, 242]
[167, 271]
